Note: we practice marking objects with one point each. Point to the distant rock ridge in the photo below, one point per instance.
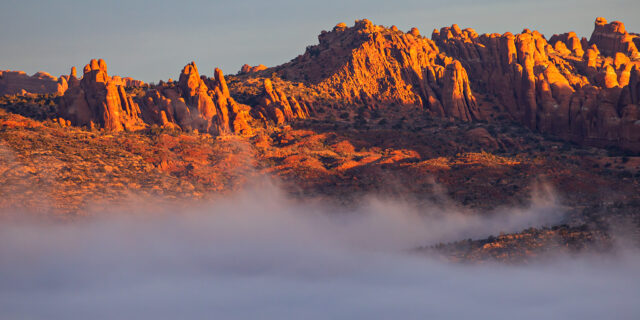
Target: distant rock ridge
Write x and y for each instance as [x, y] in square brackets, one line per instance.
[569, 44]
[586, 91]
[555, 87]
[129, 82]
[376, 66]
[18, 82]
[251, 69]
[194, 102]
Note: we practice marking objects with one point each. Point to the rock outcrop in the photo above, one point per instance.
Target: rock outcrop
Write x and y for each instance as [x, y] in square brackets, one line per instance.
[612, 38]
[457, 95]
[276, 106]
[246, 69]
[18, 82]
[197, 103]
[128, 82]
[99, 100]
[554, 88]
[584, 91]
[376, 66]
[568, 44]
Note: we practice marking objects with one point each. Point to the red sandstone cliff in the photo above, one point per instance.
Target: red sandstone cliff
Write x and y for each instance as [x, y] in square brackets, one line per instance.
[554, 88]
[18, 82]
[613, 37]
[585, 91]
[197, 103]
[375, 66]
[99, 100]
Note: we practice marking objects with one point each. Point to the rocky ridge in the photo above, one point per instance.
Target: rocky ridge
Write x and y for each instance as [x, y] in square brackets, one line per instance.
[585, 91]
[251, 69]
[555, 87]
[18, 82]
[376, 66]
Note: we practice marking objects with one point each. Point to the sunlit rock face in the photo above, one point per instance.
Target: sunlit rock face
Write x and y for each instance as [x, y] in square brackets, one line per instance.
[245, 69]
[196, 102]
[377, 66]
[585, 91]
[612, 38]
[99, 100]
[18, 82]
[556, 87]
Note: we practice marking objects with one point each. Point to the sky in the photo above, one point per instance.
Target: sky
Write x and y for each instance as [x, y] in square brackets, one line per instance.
[153, 40]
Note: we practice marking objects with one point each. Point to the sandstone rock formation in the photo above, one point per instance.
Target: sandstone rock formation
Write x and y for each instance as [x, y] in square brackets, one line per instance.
[276, 106]
[133, 83]
[251, 69]
[197, 103]
[457, 95]
[553, 88]
[128, 82]
[18, 82]
[568, 44]
[584, 91]
[99, 100]
[613, 37]
[375, 66]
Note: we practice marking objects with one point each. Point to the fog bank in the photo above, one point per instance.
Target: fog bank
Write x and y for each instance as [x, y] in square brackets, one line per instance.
[260, 255]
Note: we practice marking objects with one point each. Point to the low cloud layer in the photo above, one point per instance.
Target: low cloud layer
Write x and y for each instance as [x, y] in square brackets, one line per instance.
[259, 255]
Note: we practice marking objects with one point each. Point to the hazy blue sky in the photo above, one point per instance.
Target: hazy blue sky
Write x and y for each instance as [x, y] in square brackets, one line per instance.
[152, 40]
